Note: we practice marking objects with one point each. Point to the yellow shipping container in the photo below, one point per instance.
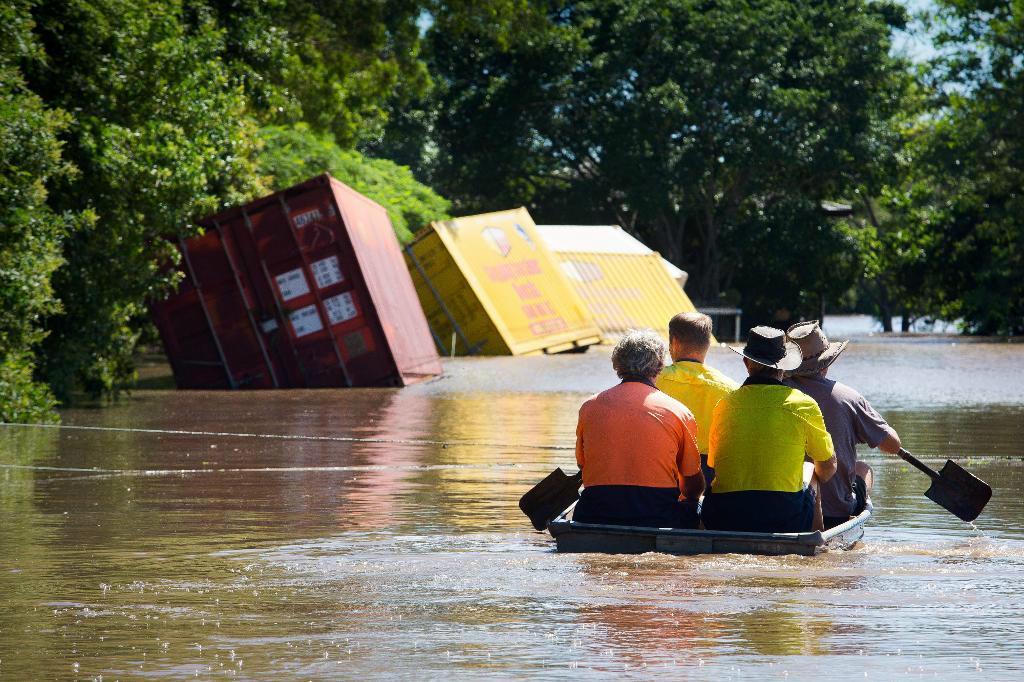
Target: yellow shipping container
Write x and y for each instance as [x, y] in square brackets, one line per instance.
[623, 283]
[490, 281]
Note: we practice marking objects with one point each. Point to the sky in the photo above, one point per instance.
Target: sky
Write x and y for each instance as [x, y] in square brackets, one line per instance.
[914, 43]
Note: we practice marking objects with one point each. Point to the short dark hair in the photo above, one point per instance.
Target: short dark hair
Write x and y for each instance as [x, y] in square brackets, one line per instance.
[691, 329]
[756, 369]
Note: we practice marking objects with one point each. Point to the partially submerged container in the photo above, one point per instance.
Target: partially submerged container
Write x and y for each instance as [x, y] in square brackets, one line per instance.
[489, 284]
[624, 284]
[305, 288]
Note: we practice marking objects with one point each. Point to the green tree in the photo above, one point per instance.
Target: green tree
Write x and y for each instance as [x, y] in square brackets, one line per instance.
[691, 124]
[893, 209]
[333, 65]
[972, 163]
[166, 100]
[897, 241]
[161, 135]
[797, 260]
[294, 154]
[31, 234]
[500, 72]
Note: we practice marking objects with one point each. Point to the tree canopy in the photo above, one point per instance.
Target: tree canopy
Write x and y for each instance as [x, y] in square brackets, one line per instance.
[698, 127]
[713, 131]
[31, 232]
[293, 154]
[972, 162]
[126, 121]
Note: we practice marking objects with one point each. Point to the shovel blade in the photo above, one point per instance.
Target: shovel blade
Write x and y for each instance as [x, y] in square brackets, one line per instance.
[550, 497]
[960, 492]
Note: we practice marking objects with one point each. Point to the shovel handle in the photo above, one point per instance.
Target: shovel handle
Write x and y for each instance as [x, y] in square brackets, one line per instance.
[917, 463]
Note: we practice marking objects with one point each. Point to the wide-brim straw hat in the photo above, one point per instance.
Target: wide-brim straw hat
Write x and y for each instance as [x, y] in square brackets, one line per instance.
[815, 347]
[768, 346]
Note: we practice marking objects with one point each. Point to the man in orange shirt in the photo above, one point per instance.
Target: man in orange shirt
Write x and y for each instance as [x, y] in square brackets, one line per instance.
[637, 447]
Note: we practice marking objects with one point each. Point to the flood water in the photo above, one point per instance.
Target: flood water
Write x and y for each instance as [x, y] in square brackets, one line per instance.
[139, 553]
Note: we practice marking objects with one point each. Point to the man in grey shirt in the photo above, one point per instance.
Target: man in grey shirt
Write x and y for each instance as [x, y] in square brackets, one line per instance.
[849, 418]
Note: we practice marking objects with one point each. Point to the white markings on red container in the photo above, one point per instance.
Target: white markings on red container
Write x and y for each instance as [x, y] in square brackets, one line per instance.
[306, 321]
[307, 217]
[340, 308]
[292, 284]
[327, 271]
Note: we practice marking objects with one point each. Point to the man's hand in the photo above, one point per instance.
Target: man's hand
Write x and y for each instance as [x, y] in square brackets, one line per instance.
[693, 487]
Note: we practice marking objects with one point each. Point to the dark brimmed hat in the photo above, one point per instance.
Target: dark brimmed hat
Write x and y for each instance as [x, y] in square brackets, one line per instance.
[814, 346]
[768, 346]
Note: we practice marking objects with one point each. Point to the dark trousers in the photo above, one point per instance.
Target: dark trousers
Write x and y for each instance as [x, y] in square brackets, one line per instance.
[759, 511]
[860, 501]
[634, 505]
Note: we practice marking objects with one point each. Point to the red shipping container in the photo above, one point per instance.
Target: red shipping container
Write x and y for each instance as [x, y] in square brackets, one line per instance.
[304, 288]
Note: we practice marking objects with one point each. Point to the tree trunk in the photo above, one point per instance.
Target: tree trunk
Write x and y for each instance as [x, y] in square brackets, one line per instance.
[884, 308]
[671, 231]
[906, 321]
[710, 268]
[884, 305]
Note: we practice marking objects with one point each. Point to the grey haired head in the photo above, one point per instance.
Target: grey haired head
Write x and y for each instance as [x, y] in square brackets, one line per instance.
[639, 353]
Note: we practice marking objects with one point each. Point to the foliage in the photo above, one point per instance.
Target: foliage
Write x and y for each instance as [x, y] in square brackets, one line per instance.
[688, 123]
[294, 154]
[711, 130]
[160, 135]
[973, 162]
[804, 259]
[30, 233]
[944, 228]
[893, 211]
[166, 101]
[499, 75]
[333, 65]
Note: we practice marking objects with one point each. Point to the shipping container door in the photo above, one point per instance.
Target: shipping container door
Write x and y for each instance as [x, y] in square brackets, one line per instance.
[192, 349]
[350, 318]
[224, 306]
[454, 310]
[302, 314]
[518, 281]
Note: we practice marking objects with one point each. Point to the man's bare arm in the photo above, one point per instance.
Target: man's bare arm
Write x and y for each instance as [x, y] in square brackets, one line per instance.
[891, 444]
[693, 486]
[826, 469]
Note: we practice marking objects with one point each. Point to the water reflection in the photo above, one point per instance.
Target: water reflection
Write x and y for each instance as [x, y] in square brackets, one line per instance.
[154, 554]
[630, 636]
[783, 632]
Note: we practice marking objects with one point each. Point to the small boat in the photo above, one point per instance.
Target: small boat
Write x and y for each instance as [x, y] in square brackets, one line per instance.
[572, 536]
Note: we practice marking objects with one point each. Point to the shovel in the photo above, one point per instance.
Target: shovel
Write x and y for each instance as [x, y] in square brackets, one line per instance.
[551, 497]
[954, 488]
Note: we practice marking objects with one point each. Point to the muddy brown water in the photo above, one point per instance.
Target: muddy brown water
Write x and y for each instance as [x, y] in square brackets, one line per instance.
[133, 554]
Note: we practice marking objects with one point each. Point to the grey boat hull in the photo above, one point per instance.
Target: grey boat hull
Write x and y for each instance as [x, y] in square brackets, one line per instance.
[571, 536]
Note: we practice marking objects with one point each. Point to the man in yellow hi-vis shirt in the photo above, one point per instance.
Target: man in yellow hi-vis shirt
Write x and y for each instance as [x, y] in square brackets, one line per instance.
[760, 434]
[689, 380]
